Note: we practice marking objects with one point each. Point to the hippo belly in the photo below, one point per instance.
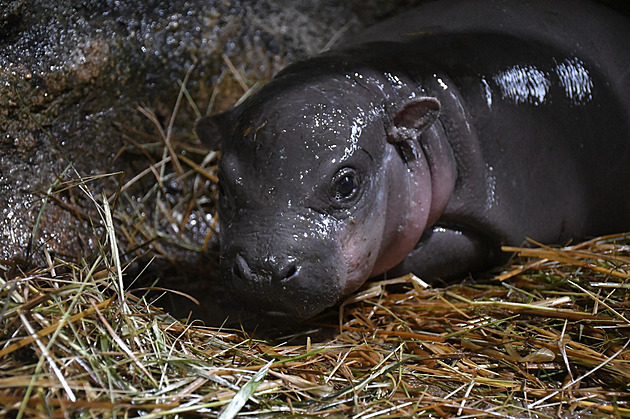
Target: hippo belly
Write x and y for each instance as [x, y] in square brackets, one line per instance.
[422, 146]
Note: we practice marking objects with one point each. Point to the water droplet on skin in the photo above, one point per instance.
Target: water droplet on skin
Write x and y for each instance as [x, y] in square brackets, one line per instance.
[488, 92]
[575, 80]
[523, 84]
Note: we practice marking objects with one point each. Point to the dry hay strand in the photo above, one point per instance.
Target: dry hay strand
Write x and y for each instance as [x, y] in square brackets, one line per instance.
[548, 336]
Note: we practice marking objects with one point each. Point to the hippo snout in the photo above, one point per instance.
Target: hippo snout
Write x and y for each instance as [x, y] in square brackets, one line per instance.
[280, 286]
[268, 273]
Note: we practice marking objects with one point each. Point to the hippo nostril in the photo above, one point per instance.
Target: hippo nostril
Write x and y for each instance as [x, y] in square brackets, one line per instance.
[287, 272]
[240, 269]
[292, 271]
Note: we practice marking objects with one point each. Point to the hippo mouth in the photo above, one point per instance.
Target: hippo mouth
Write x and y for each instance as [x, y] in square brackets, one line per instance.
[283, 305]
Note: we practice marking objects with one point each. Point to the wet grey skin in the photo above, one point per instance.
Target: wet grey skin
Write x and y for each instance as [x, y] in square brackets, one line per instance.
[422, 146]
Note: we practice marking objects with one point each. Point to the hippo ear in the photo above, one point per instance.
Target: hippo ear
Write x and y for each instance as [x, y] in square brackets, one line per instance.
[214, 130]
[413, 118]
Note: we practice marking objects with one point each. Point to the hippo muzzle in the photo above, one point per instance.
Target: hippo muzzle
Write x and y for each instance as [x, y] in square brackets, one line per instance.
[278, 272]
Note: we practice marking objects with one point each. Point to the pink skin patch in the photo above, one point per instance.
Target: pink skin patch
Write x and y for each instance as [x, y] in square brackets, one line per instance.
[408, 209]
[395, 222]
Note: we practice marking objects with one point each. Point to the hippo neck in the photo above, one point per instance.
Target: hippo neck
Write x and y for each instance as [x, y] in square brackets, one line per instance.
[426, 183]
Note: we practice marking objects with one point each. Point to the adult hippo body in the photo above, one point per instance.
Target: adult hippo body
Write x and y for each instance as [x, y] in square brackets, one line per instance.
[423, 146]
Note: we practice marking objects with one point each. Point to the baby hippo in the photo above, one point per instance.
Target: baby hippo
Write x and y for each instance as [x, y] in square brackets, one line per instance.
[423, 145]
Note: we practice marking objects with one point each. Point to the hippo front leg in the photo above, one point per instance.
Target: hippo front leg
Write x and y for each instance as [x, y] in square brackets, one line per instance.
[446, 253]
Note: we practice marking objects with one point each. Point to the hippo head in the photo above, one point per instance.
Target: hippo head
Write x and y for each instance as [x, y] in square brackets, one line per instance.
[322, 185]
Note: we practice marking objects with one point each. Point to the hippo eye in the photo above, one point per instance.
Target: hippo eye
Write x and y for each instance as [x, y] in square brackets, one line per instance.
[345, 185]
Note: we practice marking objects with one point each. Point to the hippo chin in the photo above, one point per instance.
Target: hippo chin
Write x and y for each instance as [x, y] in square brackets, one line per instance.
[423, 147]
